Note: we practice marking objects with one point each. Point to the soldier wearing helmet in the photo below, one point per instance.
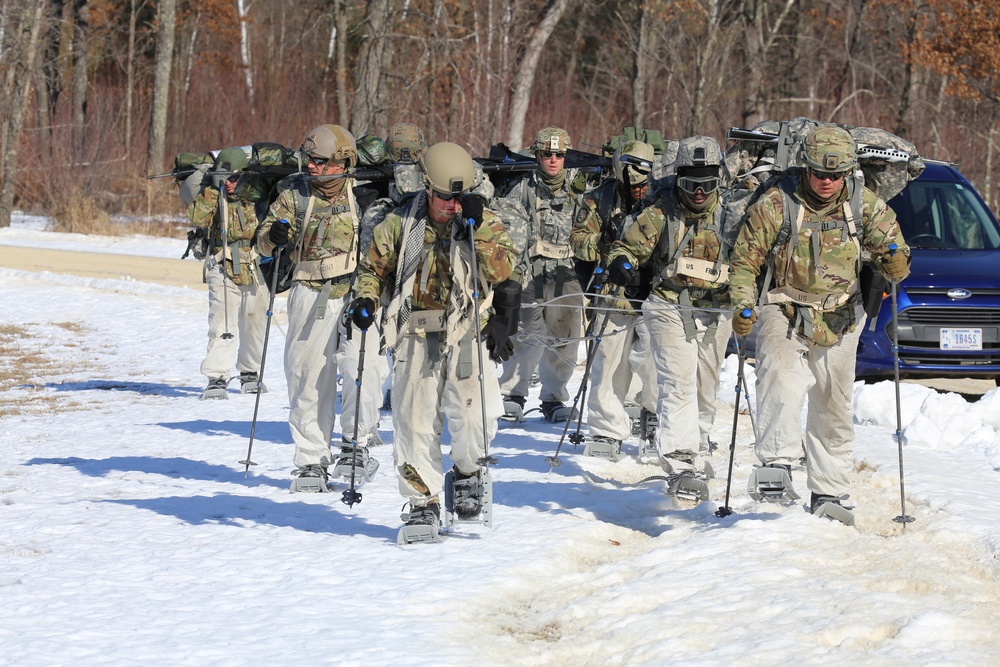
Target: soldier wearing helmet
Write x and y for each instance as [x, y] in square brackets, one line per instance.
[807, 236]
[419, 265]
[599, 223]
[538, 210]
[315, 219]
[682, 242]
[236, 298]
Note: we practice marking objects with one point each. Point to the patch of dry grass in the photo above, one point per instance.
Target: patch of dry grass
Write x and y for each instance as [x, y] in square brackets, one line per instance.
[28, 363]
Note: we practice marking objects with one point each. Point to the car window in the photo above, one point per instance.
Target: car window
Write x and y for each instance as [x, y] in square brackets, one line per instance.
[944, 215]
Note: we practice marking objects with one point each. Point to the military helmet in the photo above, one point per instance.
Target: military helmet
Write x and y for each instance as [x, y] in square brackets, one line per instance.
[331, 142]
[231, 159]
[448, 168]
[371, 150]
[698, 164]
[632, 163]
[554, 139]
[405, 143]
[830, 148]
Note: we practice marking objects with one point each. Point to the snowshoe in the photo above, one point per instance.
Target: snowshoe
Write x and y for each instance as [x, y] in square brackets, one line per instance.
[513, 408]
[468, 498]
[310, 479]
[420, 524]
[555, 412]
[250, 384]
[634, 412]
[772, 484]
[688, 486]
[831, 508]
[216, 390]
[356, 458]
[603, 447]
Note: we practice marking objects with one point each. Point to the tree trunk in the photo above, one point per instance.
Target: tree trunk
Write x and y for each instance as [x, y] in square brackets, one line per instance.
[161, 84]
[525, 77]
[641, 58]
[81, 30]
[368, 111]
[245, 59]
[340, 18]
[26, 45]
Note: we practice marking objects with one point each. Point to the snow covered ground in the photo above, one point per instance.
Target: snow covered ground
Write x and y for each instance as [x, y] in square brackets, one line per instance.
[129, 534]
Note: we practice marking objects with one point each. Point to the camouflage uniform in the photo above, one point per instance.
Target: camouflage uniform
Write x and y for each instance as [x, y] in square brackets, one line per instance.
[235, 293]
[612, 372]
[539, 220]
[325, 251]
[809, 325]
[686, 251]
[433, 378]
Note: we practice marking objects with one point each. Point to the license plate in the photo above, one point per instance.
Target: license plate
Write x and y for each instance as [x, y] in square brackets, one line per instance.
[961, 339]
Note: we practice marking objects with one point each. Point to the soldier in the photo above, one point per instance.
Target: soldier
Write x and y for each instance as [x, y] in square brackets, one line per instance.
[428, 324]
[599, 224]
[236, 296]
[682, 240]
[810, 233]
[322, 236]
[538, 212]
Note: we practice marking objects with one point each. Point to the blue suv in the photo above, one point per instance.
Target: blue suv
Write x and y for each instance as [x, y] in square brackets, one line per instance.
[949, 306]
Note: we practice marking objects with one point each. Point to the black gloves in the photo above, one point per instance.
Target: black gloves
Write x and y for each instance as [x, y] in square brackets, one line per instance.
[472, 209]
[621, 271]
[495, 335]
[278, 234]
[362, 311]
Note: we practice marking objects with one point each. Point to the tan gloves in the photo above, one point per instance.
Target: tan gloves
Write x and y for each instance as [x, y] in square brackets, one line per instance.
[895, 266]
[741, 324]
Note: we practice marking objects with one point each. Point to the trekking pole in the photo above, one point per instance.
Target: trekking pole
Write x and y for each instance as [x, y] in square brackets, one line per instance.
[352, 496]
[471, 224]
[903, 518]
[263, 355]
[224, 232]
[741, 348]
[553, 460]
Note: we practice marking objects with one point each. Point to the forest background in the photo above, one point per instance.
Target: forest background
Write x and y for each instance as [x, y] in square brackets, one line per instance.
[97, 94]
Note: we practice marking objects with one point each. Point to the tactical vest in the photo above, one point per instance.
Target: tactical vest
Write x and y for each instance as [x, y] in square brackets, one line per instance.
[342, 261]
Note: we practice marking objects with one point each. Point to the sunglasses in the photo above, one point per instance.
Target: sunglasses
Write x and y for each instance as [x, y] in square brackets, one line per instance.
[445, 196]
[832, 176]
[691, 184]
[551, 154]
[318, 161]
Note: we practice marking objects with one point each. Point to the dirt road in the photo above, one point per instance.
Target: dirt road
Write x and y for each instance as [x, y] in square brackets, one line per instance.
[175, 272]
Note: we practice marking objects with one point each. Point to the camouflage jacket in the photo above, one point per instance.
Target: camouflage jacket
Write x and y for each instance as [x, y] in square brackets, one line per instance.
[821, 260]
[432, 289]
[324, 247]
[241, 225]
[539, 223]
[647, 243]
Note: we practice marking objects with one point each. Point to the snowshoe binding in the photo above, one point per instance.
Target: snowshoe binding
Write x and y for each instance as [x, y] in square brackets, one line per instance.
[251, 384]
[555, 412]
[310, 479]
[358, 459]
[772, 483]
[634, 412]
[648, 422]
[688, 487]
[468, 498]
[421, 524]
[216, 389]
[513, 408]
[602, 447]
[830, 507]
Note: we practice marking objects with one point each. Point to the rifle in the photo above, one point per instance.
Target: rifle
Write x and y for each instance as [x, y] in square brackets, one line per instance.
[197, 243]
[503, 160]
[785, 139]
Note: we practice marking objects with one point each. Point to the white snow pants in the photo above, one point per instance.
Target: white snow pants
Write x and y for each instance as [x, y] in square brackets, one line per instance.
[376, 368]
[241, 311]
[424, 395]
[311, 371]
[610, 376]
[645, 386]
[549, 334]
[790, 370]
[688, 372]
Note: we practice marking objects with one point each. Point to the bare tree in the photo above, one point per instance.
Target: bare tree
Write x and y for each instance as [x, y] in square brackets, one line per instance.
[368, 110]
[161, 83]
[525, 77]
[81, 29]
